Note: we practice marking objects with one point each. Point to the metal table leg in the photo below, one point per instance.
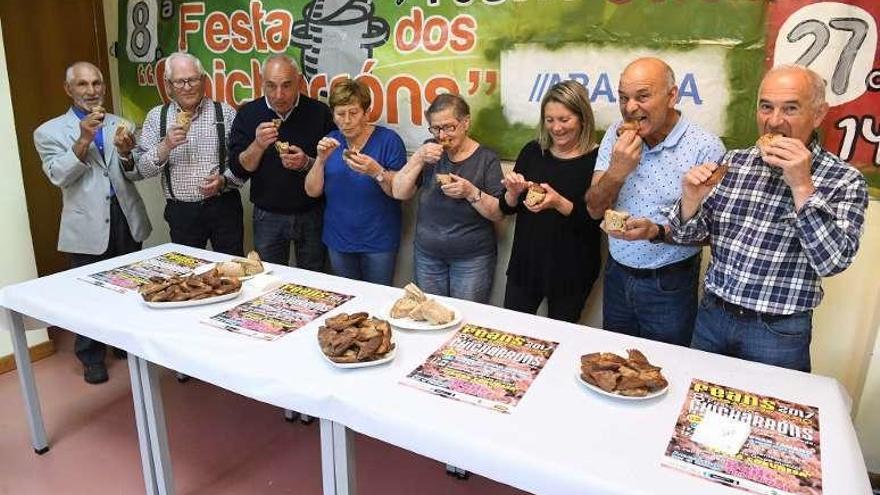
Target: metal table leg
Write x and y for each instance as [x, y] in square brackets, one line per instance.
[140, 416]
[26, 377]
[155, 420]
[337, 459]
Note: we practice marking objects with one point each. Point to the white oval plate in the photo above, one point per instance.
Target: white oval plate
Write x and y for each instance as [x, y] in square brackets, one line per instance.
[186, 304]
[599, 390]
[210, 266]
[388, 357]
[409, 324]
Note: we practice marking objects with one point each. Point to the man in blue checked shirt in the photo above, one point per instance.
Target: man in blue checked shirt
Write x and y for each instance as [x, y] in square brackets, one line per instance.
[786, 213]
[650, 285]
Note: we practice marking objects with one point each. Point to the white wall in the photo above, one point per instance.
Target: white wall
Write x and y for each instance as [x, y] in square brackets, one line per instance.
[867, 422]
[845, 336]
[16, 251]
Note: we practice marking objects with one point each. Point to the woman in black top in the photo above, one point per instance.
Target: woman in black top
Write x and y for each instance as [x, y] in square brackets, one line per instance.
[556, 244]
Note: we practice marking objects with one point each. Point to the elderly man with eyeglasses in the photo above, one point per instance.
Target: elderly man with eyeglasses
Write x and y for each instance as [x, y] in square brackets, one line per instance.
[186, 142]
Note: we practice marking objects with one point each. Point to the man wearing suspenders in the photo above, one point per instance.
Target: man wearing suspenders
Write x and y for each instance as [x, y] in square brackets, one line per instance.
[185, 141]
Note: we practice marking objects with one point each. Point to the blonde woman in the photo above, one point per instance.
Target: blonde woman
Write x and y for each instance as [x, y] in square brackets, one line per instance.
[555, 252]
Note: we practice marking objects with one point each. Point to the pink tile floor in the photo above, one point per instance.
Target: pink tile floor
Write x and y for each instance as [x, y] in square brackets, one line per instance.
[221, 443]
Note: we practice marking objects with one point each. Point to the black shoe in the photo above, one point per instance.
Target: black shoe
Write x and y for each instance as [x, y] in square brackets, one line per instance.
[95, 373]
[119, 353]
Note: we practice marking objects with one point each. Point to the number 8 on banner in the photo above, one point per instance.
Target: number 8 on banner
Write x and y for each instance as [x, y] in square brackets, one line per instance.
[142, 32]
[836, 40]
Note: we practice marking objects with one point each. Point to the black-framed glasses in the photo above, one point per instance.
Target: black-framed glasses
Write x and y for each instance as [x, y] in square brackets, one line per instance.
[181, 83]
[448, 128]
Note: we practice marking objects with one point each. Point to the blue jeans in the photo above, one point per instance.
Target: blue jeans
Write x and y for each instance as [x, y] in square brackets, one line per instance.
[273, 233]
[658, 306]
[469, 278]
[377, 268]
[782, 341]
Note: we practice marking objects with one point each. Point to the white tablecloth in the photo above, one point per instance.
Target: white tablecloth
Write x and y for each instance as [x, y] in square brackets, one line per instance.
[560, 439]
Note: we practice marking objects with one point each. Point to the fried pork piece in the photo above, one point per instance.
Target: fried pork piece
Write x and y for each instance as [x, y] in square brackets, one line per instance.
[616, 220]
[177, 289]
[630, 382]
[436, 313]
[443, 179]
[413, 292]
[627, 125]
[767, 140]
[633, 376]
[402, 307]
[606, 380]
[534, 195]
[717, 175]
[355, 338]
[636, 356]
[654, 380]
[634, 392]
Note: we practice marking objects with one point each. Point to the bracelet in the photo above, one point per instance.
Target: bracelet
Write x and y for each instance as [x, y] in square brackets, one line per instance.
[478, 198]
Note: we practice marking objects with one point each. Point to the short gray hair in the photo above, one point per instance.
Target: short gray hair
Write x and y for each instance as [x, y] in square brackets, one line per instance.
[817, 84]
[282, 58]
[68, 72]
[444, 101]
[183, 56]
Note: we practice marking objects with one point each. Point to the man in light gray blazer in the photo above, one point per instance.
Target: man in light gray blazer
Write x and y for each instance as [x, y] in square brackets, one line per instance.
[88, 154]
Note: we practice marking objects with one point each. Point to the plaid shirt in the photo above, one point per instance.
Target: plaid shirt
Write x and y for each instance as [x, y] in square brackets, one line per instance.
[193, 160]
[765, 255]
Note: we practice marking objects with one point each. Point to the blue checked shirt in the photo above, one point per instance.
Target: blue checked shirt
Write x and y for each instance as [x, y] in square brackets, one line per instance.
[765, 255]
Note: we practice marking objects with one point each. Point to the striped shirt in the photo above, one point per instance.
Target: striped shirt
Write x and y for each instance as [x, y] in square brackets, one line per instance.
[192, 161]
[766, 256]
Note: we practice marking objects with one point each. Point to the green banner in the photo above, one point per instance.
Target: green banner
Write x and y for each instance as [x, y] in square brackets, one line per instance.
[502, 55]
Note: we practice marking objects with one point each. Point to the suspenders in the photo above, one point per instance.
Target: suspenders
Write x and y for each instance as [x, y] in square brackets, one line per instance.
[221, 141]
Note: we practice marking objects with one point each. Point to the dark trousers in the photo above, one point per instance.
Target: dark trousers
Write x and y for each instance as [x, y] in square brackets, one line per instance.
[658, 304]
[218, 219]
[527, 299]
[273, 233]
[87, 350]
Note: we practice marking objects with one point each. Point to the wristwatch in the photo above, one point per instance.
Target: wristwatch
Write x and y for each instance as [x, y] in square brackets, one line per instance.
[477, 198]
[380, 177]
[660, 238]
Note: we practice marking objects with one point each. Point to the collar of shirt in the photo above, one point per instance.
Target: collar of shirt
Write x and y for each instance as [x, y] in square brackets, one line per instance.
[79, 112]
[672, 139]
[283, 117]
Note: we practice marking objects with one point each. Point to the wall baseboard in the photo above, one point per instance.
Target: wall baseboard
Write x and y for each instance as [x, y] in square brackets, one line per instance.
[37, 352]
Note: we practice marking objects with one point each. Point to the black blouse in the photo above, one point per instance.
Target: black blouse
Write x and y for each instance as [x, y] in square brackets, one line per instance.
[557, 253]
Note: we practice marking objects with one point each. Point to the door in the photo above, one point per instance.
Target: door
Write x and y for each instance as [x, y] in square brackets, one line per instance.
[42, 38]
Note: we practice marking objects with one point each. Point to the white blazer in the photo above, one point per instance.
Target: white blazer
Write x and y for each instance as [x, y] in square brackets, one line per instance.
[85, 185]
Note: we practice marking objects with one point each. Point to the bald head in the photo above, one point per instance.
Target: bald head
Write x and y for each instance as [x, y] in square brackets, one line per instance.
[807, 79]
[654, 68]
[280, 82]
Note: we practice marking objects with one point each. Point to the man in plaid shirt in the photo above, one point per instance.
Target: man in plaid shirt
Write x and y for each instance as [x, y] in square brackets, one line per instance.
[186, 143]
[785, 214]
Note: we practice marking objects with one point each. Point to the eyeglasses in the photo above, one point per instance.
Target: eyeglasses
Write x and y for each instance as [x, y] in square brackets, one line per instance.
[181, 83]
[448, 128]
